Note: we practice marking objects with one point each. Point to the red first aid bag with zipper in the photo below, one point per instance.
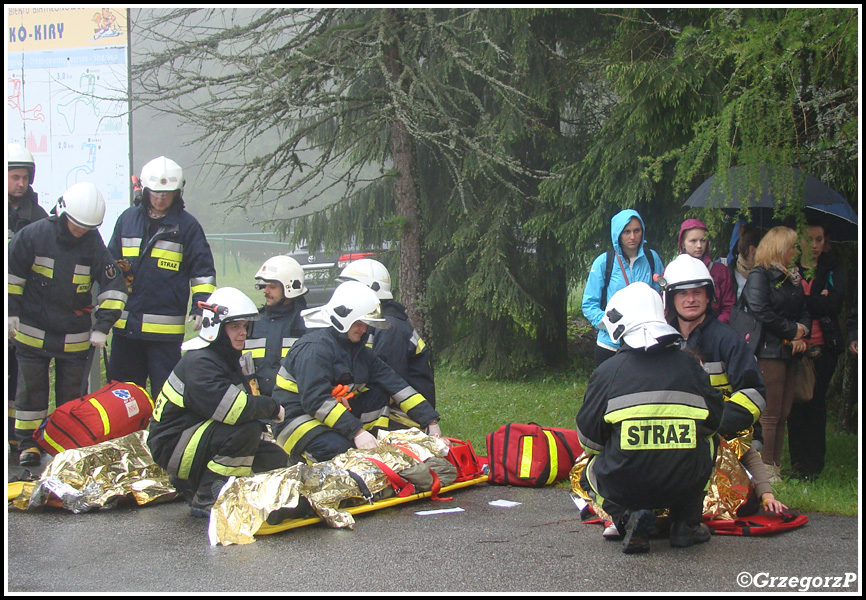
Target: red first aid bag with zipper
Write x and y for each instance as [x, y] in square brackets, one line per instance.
[115, 410]
[531, 455]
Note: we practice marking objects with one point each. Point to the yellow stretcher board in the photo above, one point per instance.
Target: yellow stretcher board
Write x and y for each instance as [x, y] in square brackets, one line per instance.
[14, 490]
[266, 529]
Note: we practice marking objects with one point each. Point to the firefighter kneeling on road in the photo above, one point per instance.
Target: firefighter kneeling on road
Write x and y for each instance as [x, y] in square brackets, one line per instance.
[648, 416]
[323, 381]
[207, 425]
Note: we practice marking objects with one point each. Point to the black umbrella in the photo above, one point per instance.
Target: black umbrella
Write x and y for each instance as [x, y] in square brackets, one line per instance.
[759, 189]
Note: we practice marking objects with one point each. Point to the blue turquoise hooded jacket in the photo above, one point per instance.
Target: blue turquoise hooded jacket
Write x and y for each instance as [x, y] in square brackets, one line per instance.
[639, 270]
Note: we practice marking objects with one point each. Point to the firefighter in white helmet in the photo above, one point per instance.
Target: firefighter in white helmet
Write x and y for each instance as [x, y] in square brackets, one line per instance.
[165, 258]
[400, 345]
[324, 380]
[207, 424]
[689, 291]
[648, 417]
[281, 280]
[23, 209]
[53, 265]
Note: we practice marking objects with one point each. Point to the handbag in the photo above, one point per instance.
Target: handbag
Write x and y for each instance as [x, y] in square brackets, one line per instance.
[747, 326]
[804, 379]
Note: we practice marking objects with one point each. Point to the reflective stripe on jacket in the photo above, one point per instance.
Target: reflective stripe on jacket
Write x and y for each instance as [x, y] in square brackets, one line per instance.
[166, 269]
[50, 280]
[204, 387]
[734, 370]
[271, 338]
[320, 360]
[649, 417]
[403, 350]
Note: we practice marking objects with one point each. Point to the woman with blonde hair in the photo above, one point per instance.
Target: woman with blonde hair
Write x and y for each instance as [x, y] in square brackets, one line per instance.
[773, 294]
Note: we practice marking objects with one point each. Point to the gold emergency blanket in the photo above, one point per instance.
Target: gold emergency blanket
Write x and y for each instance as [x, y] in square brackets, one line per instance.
[245, 502]
[95, 477]
[730, 485]
[576, 490]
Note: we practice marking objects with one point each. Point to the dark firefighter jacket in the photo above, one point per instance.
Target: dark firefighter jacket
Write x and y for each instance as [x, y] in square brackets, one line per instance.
[322, 359]
[271, 338]
[649, 417]
[206, 386]
[51, 273]
[165, 269]
[403, 349]
[734, 370]
[28, 211]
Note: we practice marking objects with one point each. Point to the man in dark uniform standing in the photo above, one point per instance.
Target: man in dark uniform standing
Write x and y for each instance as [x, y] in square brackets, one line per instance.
[23, 209]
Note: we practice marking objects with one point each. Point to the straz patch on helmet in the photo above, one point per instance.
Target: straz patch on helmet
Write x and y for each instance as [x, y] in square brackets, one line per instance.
[164, 263]
[658, 434]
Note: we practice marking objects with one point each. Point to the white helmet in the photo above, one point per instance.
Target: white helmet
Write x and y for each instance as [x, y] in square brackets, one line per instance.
[20, 158]
[371, 273]
[685, 273]
[352, 301]
[162, 175]
[635, 315]
[224, 305]
[83, 205]
[284, 270]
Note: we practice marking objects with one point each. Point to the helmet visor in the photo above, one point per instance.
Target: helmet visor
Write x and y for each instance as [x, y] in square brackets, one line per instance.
[79, 223]
[375, 319]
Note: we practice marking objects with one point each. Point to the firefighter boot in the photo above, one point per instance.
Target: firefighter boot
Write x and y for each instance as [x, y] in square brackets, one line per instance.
[183, 487]
[684, 535]
[30, 457]
[637, 532]
[205, 496]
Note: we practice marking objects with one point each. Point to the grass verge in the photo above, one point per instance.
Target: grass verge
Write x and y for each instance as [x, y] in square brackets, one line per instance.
[472, 406]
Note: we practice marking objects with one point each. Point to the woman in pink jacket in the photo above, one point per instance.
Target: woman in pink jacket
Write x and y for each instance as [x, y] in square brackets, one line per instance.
[694, 241]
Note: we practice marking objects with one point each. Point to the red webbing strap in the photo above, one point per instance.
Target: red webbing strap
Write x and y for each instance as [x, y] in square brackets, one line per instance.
[437, 485]
[401, 486]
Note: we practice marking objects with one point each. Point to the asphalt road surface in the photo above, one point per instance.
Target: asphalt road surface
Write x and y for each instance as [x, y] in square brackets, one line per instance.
[538, 546]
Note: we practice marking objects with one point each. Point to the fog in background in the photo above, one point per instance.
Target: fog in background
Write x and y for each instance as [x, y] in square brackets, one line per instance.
[155, 133]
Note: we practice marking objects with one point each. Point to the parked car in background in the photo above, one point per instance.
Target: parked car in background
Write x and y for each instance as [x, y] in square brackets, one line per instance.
[321, 270]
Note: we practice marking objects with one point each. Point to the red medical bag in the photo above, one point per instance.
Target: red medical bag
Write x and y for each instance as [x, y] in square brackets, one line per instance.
[531, 455]
[113, 411]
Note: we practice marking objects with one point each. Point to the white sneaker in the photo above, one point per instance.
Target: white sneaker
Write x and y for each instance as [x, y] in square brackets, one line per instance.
[610, 531]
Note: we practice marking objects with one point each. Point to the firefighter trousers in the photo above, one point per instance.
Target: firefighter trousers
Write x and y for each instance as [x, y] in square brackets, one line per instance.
[31, 406]
[223, 451]
[135, 360]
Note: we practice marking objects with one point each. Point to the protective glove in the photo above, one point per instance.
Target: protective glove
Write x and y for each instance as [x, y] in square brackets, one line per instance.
[364, 440]
[12, 324]
[433, 430]
[97, 338]
[282, 415]
[197, 319]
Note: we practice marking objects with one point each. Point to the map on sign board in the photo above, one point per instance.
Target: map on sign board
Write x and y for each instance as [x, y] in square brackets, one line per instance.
[67, 100]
